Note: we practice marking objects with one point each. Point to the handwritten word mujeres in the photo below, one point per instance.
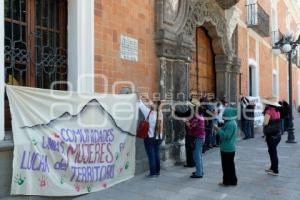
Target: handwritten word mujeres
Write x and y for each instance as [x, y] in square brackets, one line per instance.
[91, 153]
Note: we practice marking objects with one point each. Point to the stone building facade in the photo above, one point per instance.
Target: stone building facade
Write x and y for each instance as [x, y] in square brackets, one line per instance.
[166, 49]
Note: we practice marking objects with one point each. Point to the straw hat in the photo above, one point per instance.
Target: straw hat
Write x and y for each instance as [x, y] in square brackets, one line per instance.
[273, 101]
[193, 94]
[195, 102]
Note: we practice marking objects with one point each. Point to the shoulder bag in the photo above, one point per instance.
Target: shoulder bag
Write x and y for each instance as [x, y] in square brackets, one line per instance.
[143, 128]
[272, 128]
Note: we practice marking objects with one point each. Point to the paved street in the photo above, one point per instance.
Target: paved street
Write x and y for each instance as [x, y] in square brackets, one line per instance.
[254, 183]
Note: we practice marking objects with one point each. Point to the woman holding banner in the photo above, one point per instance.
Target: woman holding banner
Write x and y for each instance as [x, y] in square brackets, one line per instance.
[152, 142]
[196, 128]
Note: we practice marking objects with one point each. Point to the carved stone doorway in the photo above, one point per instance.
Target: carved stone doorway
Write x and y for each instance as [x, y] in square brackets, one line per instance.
[175, 38]
[177, 22]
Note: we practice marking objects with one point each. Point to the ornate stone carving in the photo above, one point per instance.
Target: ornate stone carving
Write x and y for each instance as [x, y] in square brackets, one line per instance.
[232, 16]
[225, 4]
[171, 9]
[207, 13]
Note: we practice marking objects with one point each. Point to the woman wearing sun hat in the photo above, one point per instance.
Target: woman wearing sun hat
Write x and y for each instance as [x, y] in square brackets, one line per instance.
[228, 135]
[272, 132]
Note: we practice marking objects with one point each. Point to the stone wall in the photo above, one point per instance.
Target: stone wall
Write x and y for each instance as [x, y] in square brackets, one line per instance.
[5, 172]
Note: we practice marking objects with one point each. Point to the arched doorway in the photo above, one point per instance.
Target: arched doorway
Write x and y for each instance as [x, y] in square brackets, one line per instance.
[202, 73]
[177, 22]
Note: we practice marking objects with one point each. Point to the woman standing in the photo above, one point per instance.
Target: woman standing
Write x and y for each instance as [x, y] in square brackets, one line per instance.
[272, 132]
[196, 128]
[228, 142]
[185, 112]
[152, 142]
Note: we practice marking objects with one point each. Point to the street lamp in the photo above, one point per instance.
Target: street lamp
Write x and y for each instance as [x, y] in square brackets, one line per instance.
[287, 45]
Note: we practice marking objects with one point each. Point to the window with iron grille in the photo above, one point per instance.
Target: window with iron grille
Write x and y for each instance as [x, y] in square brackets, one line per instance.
[35, 44]
[252, 12]
[275, 36]
[257, 18]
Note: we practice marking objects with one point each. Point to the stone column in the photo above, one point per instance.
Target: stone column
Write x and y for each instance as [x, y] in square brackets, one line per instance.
[165, 88]
[166, 92]
[180, 80]
[173, 87]
[234, 72]
[222, 66]
[180, 93]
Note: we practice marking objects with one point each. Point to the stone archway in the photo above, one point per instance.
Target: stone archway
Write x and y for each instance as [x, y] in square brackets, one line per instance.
[226, 64]
[176, 25]
[207, 14]
[176, 28]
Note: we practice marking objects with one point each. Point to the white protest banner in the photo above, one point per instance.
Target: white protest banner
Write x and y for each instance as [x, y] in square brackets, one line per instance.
[69, 144]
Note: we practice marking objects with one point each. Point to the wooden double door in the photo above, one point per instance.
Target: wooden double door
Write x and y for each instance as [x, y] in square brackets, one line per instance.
[203, 75]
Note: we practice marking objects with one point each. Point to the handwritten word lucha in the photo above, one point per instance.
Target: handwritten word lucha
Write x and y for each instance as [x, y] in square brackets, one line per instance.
[34, 161]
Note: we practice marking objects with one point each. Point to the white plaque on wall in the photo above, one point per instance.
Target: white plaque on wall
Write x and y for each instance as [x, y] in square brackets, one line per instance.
[129, 48]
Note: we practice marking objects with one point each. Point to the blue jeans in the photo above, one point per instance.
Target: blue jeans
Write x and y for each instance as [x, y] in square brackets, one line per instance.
[197, 155]
[282, 126]
[249, 129]
[213, 140]
[244, 126]
[152, 150]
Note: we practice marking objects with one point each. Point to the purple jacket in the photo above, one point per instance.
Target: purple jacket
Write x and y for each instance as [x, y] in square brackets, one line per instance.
[197, 127]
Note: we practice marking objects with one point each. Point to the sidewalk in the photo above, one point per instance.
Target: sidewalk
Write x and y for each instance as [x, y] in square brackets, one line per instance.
[254, 184]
